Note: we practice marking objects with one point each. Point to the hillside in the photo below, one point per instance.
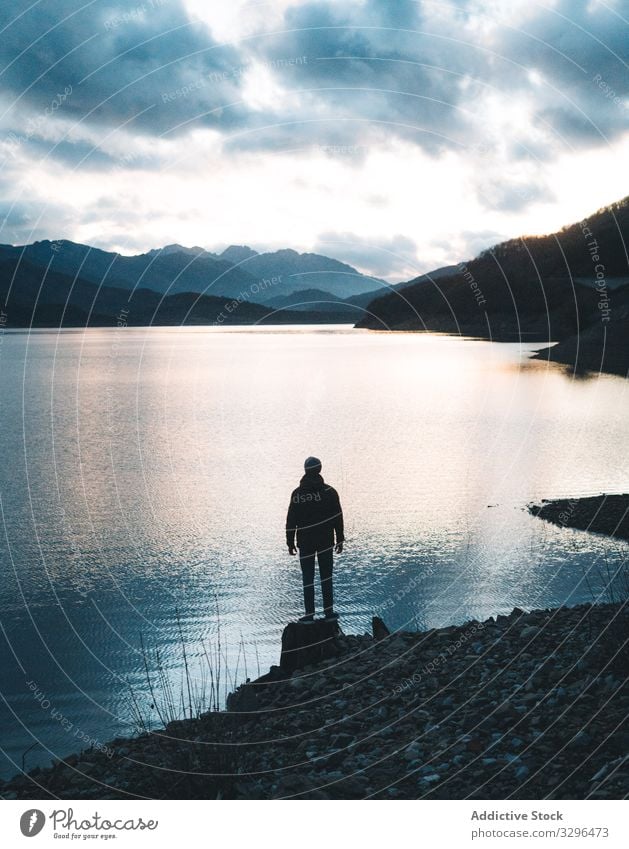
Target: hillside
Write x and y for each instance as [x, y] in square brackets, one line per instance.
[167, 272]
[310, 299]
[301, 272]
[523, 287]
[602, 346]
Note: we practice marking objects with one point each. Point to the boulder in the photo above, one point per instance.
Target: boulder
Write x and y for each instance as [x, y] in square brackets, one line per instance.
[306, 644]
[379, 629]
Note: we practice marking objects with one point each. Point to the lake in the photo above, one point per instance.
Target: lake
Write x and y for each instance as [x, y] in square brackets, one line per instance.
[146, 474]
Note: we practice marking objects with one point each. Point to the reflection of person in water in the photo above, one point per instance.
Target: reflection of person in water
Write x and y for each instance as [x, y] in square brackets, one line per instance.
[315, 516]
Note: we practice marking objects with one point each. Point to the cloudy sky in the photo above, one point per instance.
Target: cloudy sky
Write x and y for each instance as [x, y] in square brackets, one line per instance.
[396, 135]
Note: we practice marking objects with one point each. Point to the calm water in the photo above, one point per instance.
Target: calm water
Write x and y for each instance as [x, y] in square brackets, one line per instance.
[147, 472]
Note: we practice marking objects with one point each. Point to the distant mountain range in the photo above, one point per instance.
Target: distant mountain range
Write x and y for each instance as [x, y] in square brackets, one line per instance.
[237, 272]
[30, 296]
[308, 299]
[48, 282]
[570, 287]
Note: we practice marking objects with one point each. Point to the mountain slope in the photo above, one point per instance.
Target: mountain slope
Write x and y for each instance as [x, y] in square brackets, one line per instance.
[603, 346]
[295, 272]
[366, 298]
[237, 272]
[315, 299]
[32, 298]
[235, 254]
[521, 287]
[168, 271]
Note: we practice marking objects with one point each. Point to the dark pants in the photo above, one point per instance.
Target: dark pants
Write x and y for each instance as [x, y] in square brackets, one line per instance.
[307, 559]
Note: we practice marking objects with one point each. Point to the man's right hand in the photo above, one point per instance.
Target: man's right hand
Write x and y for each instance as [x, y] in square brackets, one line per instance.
[292, 549]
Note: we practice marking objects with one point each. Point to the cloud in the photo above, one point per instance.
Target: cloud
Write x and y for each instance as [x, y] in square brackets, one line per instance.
[391, 258]
[372, 70]
[439, 74]
[577, 57]
[14, 219]
[148, 64]
[434, 74]
[402, 118]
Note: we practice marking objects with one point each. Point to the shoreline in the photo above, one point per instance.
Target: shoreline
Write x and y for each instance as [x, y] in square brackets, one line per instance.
[600, 514]
[581, 355]
[526, 706]
[600, 349]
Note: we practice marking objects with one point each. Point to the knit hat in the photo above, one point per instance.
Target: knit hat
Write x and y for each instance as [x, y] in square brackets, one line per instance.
[312, 464]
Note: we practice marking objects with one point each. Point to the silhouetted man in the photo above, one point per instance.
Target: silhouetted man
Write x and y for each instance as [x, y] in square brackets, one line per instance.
[315, 516]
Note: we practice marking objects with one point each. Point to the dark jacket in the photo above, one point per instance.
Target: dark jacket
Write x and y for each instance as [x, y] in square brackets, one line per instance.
[314, 514]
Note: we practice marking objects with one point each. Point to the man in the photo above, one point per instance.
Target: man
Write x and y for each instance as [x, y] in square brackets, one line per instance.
[315, 516]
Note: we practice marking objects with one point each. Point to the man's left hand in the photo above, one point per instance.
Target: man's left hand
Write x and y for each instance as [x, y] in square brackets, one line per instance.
[338, 548]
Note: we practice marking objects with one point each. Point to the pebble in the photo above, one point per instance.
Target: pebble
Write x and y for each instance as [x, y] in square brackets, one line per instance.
[466, 709]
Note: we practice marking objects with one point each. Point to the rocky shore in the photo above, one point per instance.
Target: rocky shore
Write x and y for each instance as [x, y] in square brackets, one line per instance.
[527, 706]
[599, 349]
[601, 514]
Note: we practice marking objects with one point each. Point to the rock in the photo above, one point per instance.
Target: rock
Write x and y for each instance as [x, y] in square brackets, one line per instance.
[243, 700]
[355, 786]
[600, 774]
[334, 758]
[87, 767]
[309, 731]
[290, 784]
[305, 644]
[342, 741]
[274, 674]
[379, 629]
[582, 739]
[412, 752]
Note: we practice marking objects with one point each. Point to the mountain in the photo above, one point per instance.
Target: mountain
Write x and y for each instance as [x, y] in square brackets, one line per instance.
[311, 299]
[523, 287]
[603, 346]
[237, 272]
[169, 271]
[33, 298]
[317, 299]
[236, 254]
[290, 271]
[173, 249]
[366, 298]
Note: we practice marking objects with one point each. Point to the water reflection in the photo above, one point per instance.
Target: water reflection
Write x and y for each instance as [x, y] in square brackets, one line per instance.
[150, 472]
